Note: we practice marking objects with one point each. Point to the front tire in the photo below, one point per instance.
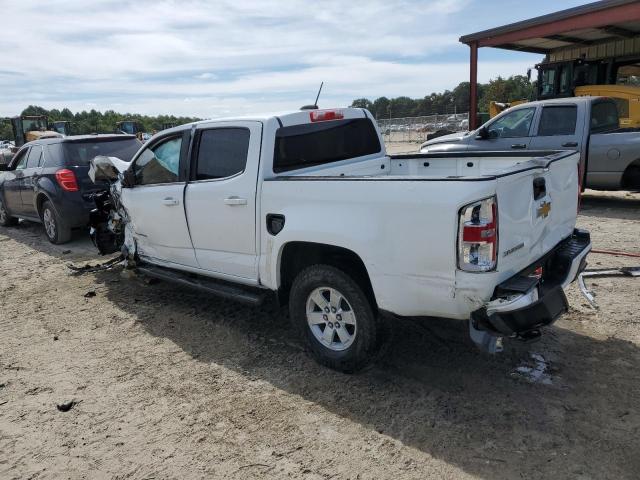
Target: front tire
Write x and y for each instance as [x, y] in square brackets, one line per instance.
[55, 229]
[6, 220]
[335, 318]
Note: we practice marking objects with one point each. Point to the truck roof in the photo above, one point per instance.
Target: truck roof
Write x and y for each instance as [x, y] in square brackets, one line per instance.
[285, 118]
[565, 100]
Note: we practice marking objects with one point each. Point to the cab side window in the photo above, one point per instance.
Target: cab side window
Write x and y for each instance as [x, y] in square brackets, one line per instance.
[513, 124]
[159, 163]
[34, 159]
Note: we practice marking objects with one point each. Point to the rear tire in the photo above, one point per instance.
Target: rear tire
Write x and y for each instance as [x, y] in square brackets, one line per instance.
[57, 232]
[334, 318]
[6, 220]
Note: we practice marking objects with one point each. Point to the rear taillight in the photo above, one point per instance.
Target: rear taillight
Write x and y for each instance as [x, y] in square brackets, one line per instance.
[478, 236]
[325, 115]
[67, 180]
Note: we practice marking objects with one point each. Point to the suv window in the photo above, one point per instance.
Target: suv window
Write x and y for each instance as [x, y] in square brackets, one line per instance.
[513, 124]
[159, 163]
[560, 120]
[222, 152]
[305, 145]
[20, 160]
[35, 157]
[80, 152]
[604, 116]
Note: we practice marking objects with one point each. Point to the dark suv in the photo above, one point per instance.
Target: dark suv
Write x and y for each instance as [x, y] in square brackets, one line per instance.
[47, 181]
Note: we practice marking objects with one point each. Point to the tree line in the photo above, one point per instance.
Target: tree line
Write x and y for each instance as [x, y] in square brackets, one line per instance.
[517, 87]
[94, 121]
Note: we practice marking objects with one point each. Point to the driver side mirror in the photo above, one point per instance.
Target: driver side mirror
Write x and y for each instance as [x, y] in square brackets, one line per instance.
[128, 178]
[482, 134]
[4, 167]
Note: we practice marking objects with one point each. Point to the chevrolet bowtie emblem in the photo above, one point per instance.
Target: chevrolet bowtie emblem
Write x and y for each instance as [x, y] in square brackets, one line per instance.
[545, 208]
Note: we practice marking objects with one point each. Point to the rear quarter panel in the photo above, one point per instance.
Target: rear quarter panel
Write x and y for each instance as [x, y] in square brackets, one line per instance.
[403, 229]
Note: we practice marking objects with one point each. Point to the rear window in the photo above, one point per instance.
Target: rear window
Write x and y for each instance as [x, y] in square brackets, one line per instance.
[301, 146]
[222, 153]
[560, 120]
[81, 152]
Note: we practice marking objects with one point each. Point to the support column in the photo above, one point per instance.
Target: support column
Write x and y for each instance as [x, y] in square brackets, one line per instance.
[473, 86]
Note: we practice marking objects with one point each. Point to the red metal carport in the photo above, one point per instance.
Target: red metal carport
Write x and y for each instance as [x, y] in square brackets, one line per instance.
[587, 25]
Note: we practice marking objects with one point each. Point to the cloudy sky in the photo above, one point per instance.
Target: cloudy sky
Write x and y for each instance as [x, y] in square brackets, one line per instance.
[219, 57]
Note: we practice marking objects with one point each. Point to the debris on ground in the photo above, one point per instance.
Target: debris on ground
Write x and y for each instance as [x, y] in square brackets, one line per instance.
[88, 268]
[90, 294]
[66, 406]
[603, 272]
[534, 370]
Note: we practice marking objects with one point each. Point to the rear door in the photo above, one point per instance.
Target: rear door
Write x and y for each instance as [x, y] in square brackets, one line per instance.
[220, 198]
[511, 131]
[13, 182]
[559, 128]
[29, 180]
[155, 203]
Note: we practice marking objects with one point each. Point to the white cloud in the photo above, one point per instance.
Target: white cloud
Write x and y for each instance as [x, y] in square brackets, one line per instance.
[210, 58]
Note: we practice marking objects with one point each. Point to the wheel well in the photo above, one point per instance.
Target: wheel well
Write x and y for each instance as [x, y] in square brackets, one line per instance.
[40, 199]
[631, 176]
[296, 256]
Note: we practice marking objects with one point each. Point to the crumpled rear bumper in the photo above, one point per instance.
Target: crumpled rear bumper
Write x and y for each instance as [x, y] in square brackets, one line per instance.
[525, 303]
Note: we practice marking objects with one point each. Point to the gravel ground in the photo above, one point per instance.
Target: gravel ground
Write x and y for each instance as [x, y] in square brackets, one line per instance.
[169, 383]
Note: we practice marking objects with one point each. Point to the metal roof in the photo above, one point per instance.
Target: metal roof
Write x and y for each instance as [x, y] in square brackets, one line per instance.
[590, 24]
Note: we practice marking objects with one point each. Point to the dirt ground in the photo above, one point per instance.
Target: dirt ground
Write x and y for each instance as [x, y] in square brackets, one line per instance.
[170, 383]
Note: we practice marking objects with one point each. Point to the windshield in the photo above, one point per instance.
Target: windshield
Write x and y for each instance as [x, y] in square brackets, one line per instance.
[33, 125]
[80, 153]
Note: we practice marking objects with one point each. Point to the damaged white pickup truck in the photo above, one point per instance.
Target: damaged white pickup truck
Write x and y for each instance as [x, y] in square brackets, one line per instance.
[307, 205]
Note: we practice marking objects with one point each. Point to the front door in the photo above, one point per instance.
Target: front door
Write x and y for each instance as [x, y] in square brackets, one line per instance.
[29, 179]
[510, 131]
[220, 198]
[155, 203]
[13, 182]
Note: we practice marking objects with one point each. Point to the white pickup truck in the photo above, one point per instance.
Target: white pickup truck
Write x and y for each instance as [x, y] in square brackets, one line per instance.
[307, 205]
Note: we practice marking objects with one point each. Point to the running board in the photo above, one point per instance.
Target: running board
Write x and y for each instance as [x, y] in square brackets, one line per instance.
[246, 295]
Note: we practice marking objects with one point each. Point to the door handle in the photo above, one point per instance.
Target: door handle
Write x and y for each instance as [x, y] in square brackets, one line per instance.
[570, 144]
[519, 145]
[235, 201]
[170, 201]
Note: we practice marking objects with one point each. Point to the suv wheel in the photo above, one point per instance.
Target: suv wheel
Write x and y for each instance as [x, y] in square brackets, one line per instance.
[56, 231]
[334, 317]
[6, 220]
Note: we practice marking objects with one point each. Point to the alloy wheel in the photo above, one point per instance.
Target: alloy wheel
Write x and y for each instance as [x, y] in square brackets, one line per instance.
[331, 318]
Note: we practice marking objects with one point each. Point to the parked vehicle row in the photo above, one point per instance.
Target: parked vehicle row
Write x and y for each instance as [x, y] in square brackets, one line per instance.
[590, 125]
[47, 181]
[308, 207]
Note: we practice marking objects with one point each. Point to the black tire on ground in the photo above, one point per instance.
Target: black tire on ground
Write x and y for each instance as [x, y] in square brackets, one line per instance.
[55, 229]
[6, 220]
[369, 328]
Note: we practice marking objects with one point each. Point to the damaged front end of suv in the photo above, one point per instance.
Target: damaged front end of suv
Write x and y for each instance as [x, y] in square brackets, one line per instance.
[109, 220]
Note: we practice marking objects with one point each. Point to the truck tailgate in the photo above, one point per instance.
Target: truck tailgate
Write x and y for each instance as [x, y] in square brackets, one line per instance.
[537, 209]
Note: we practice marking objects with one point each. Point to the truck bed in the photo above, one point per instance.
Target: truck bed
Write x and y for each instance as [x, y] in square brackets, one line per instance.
[463, 166]
[384, 199]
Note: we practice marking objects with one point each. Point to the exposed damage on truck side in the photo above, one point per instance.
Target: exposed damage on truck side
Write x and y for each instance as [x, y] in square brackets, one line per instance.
[109, 220]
